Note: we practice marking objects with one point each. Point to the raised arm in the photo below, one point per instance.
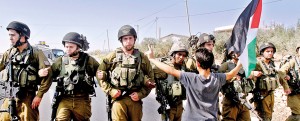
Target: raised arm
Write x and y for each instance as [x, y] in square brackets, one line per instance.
[234, 71]
[164, 67]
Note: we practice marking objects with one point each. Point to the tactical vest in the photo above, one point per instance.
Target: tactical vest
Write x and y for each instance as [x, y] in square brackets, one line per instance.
[76, 80]
[269, 80]
[237, 86]
[172, 88]
[126, 73]
[294, 82]
[24, 68]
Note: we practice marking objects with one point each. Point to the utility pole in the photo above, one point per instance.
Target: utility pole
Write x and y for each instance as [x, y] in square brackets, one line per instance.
[188, 16]
[159, 33]
[156, 28]
[104, 45]
[107, 39]
[137, 33]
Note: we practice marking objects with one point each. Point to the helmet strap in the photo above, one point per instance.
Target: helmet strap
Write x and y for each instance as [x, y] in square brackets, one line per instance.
[19, 43]
[74, 53]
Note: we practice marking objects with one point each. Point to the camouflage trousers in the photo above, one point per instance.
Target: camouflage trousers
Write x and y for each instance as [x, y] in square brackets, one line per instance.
[293, 103]
[125, 109]
[77, 108]
[265, 112]
[175, 113]
[23, 107]
[232, 111]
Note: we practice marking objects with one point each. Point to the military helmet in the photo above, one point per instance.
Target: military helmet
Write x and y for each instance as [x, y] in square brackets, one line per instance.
[19, 27]
[126, 30]
[73, 37]
[193, 40]
[204, 38]
[266, 45]
[178, 47]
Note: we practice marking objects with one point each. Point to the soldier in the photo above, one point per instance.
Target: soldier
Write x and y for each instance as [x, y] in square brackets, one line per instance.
[122, 75]
[77, 70]
[174, 90]
[201, 89]
[266, 81]
[292, 85]
[205, 40]
[235, 93]
[25, 61]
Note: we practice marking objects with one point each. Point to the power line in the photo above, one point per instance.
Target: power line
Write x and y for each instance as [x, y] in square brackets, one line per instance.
[214, 12]
[149, 16]
[150, 22]
[157, 12]
[153, 22]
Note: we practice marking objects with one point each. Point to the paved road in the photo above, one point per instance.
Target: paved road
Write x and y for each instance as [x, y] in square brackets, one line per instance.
[150, 106]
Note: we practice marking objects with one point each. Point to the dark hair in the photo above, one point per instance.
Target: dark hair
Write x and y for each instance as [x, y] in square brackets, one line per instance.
[204, 58]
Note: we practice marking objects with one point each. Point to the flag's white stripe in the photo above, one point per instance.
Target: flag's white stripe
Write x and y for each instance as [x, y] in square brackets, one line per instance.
[244, 56]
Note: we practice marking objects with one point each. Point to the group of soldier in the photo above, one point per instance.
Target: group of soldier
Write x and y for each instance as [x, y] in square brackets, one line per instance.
[126, 75]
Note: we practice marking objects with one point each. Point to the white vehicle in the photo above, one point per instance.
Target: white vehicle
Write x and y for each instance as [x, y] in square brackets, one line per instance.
[51, 54]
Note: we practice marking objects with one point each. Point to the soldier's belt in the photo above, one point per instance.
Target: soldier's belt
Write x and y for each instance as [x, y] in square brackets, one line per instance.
[76, 95]
[266, 93]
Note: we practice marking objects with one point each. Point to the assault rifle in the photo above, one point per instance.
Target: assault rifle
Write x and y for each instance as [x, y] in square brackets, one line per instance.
[108, 107]
[57, 97]
[243, 100]
[162, 99]
[10, 88]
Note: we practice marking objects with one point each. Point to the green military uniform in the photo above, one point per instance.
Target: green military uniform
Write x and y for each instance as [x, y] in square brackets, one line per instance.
[75, 103]
[232, 109]
[265, 85]
[293, 84]
[126, 74]
[195, 43]
[192, 67]
[173, 85]
[27, 62]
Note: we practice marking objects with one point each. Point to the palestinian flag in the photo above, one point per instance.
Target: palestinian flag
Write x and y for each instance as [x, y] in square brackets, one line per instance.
[243, 38]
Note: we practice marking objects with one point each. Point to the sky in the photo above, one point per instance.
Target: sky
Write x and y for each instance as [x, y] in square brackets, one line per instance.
[100, 20]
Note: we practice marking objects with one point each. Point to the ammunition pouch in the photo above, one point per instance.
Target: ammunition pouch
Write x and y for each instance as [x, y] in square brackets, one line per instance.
[268, 83]
[126, 78]
[236, 86]
[75, 77]
[248, 85]
[174, 92]
[71, 88]
[127, 72]
[176, 89]
[25, 76]
[32, 79]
